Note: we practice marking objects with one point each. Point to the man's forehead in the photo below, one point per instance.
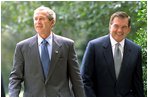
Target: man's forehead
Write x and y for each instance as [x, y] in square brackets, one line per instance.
[119, 19]
[40, 13]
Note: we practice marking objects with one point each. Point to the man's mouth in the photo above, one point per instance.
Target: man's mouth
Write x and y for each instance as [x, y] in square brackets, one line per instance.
[119, 34]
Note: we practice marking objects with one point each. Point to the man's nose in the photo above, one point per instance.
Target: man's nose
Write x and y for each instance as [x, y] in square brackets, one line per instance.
[38, 20]
[120, 30]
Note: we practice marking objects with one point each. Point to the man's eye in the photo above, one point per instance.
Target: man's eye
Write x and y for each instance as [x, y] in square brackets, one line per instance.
[115, 26]
[42, 19]
[125, 27]
[35, 18]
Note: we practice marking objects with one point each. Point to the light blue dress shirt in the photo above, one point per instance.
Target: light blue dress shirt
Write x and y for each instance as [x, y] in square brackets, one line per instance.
[49, 46]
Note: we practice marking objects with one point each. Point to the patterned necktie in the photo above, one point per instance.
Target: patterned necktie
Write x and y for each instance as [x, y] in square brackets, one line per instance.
[45, 57]
[117, 59]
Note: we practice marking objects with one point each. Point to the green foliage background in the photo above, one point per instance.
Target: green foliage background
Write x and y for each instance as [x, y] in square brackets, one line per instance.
[141, 40]
[78, 20]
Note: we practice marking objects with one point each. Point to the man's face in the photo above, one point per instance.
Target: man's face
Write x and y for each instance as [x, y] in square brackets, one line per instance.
[42, 24]
[119, 28]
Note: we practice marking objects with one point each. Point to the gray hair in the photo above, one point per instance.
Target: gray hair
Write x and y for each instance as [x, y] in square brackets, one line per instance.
[51, 13]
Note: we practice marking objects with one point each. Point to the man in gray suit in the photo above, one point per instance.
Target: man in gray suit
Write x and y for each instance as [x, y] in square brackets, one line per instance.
[28, 65]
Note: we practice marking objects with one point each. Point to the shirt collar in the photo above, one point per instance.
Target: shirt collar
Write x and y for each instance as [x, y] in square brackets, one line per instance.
[48, 39]
[113, 41]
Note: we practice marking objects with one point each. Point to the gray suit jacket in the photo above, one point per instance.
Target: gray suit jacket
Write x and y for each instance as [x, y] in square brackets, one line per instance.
[64, 69]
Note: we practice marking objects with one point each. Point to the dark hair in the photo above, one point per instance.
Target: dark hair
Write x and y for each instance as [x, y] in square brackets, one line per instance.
[120, 14]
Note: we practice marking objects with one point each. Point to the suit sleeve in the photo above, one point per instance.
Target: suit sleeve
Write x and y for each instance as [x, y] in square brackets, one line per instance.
[16, 75]
[138, 81]
[87, 71]
[74, 73]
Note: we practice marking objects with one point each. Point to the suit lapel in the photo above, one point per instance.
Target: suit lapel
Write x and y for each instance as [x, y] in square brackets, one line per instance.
[109, 57]
[56, 45]
[34, 52]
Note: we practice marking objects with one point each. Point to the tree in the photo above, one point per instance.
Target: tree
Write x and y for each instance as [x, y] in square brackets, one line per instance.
[141, 39]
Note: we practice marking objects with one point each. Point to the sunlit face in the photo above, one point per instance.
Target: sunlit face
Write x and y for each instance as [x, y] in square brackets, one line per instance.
[42, 24]
[119, 28]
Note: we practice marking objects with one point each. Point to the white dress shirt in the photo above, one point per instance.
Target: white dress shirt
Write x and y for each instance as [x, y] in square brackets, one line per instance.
[121, 47]
[49, 45]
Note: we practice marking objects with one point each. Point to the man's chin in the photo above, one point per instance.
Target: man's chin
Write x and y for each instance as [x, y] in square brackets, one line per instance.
[38, 30]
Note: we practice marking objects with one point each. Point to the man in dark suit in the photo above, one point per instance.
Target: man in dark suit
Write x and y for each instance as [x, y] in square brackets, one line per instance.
[2, 87]
[46, 63]
[111, 65]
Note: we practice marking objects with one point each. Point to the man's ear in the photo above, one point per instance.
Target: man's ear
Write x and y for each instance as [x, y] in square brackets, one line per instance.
[52, 23]
[129, 29]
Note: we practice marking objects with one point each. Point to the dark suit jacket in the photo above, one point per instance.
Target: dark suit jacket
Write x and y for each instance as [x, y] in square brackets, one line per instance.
[64, 68]
[98, 70]
[2, 88]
